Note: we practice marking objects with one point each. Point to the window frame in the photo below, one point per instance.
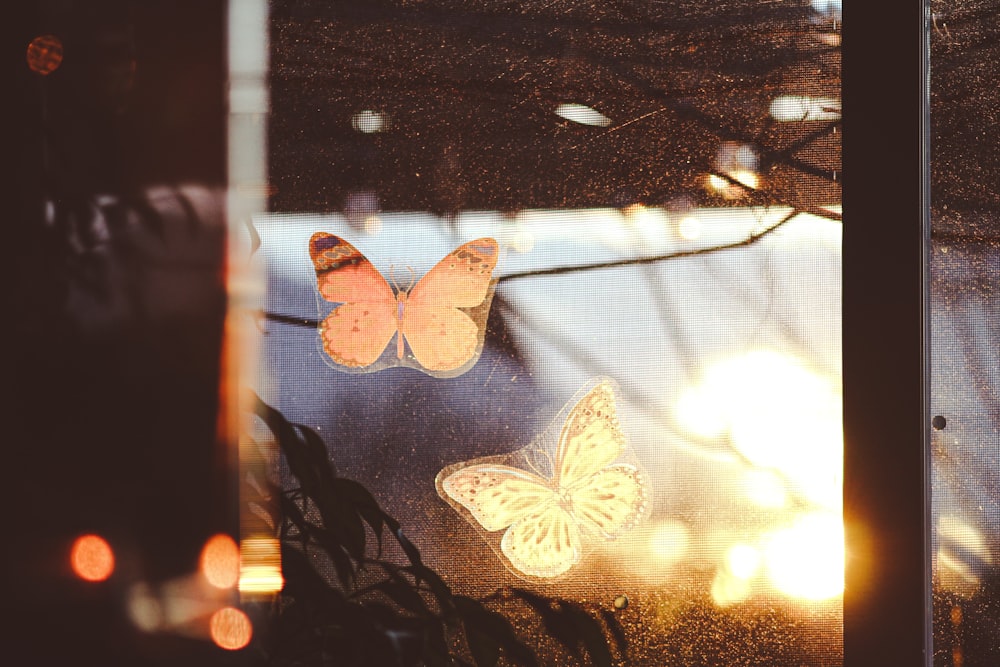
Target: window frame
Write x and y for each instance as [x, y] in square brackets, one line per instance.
[887, 597]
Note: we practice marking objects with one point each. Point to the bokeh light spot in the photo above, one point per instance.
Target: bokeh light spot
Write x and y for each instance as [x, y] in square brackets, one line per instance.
[92, 558]
[230, 628]
[669, 541]
[582, 114]
[689, 228]
[45, 54]
[220, 561]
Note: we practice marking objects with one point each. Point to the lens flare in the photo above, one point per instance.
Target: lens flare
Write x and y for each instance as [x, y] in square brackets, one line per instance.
[230, 628]
[220, 561]
[92, 558]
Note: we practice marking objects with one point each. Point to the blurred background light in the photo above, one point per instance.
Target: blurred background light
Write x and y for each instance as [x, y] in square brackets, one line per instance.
[45, 54]
[370, 122]
[962, 555]
[669, 541]
[230, 628]
[729, 589]
[689, 228]
[92, 558]
[736, 167]
[828, 10]
[362, 208]
[799, 108]
[220, 561]
[144, 608]
[584, 115]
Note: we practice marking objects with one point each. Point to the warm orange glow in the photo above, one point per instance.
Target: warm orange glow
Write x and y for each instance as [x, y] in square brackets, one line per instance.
[220, 561]
[45, 54]
[230, 628]
[260, 565]
[92, 558]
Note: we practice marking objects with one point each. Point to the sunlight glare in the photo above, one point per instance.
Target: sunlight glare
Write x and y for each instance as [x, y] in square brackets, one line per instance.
[764, 488]
[669, 541]
[780, 416]
[806, 560]
[92, 558]
[743, 561]
[729, 589]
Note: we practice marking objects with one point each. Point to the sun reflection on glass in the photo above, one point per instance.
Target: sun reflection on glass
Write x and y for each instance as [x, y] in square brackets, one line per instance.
[92, 558]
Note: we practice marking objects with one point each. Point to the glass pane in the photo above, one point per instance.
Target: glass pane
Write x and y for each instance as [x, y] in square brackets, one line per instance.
[965, 257]
[558, 285]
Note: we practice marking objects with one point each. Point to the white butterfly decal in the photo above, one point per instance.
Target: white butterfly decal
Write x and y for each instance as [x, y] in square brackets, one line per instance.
[548, 519]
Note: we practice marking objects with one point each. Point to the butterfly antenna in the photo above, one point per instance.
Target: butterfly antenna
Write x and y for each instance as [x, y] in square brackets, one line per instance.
[396, 286]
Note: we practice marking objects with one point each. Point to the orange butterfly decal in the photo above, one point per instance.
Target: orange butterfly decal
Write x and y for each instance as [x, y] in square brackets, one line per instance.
[437, 318]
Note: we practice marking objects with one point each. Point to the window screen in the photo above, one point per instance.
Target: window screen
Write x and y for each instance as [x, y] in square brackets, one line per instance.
[963, 309]
[552, 317]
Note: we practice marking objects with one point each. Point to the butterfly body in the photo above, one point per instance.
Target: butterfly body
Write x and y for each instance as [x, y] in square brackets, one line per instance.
[547, 518]
[432, 317]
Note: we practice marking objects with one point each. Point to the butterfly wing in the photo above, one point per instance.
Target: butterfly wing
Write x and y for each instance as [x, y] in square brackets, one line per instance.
[355, 333]
[497, 495]
[611, 500]
[542, 539]
[591, 439]
[460, 280]
[543, 544]
[441, 336]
